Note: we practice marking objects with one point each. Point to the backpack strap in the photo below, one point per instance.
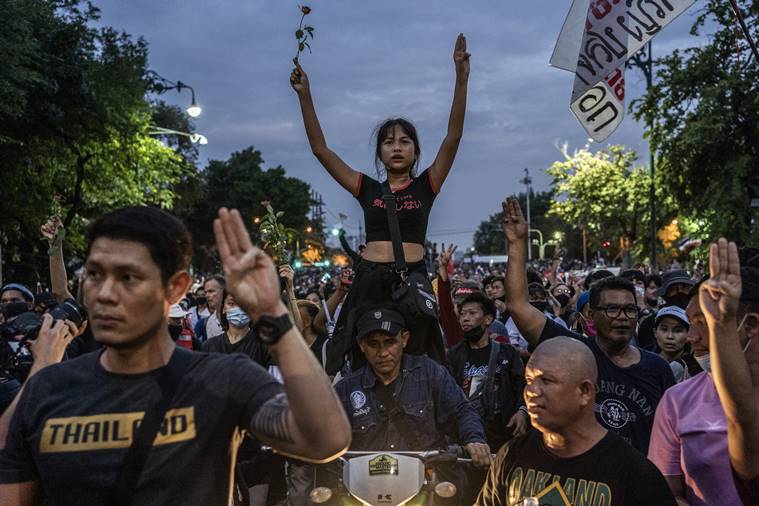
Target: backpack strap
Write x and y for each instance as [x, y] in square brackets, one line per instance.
[395, 228]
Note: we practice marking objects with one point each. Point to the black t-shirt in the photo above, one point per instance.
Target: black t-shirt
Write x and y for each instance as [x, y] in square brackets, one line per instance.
[609, 474]
[75, 421]
[475, 369]
[413, 203]
[626, 397]
[248, 345]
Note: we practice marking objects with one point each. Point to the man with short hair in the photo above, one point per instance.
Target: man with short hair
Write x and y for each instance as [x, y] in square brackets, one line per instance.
[630, 381]
[571, 459]
[15, 299]
[209, 327]
[399, 401]
[496, 393]
[77, 421]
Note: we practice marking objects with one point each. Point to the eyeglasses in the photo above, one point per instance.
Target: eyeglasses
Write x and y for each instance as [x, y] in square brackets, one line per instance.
[613, 311]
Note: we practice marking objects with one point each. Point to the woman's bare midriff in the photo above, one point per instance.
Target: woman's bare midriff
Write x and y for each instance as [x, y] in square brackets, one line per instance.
[382, 252]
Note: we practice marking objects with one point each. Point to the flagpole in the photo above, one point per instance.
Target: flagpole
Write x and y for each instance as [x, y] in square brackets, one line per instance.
[746, 33]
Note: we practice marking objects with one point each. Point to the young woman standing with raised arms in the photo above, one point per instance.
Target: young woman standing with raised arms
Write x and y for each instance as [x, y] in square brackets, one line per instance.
[398, 151]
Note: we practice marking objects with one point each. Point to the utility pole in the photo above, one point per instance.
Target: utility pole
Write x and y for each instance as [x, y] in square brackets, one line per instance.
[527, 181]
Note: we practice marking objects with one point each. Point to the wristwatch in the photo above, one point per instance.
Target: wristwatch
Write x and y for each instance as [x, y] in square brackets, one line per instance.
[270, 329]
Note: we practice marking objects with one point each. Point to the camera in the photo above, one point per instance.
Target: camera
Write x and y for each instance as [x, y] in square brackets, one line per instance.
[15, 357]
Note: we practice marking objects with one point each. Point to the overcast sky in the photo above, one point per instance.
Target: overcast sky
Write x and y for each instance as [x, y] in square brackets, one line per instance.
[372, 60]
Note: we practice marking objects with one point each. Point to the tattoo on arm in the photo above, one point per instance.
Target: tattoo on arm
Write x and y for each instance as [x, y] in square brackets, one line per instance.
[271, 419]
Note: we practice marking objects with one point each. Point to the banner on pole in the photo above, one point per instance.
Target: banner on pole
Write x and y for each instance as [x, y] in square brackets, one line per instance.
[597, 38]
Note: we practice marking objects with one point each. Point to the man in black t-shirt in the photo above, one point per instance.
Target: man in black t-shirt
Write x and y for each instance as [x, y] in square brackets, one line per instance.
[572, 460]
[75, 421]
[631, 381]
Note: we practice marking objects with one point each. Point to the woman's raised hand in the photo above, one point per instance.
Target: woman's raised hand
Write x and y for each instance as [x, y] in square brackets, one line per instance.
[299, 79]
[461, 57]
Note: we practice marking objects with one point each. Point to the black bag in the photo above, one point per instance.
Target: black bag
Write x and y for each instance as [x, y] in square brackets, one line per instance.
[168, 380]
[413, 293]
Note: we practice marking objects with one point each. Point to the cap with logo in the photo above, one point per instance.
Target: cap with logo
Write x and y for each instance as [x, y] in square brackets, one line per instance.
[461, 291]
[675, 277]
[383, 320]
[674, 312]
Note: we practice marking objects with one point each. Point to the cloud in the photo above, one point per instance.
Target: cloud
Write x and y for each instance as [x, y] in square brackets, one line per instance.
[372, 60]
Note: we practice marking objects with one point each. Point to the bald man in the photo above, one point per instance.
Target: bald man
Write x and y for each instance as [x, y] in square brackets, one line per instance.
[571, 459]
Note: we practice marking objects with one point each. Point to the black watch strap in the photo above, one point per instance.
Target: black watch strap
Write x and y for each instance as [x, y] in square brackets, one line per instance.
[270, 329]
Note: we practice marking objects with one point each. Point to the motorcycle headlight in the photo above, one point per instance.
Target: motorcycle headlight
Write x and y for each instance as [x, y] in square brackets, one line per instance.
[445, 489]
[320, 495]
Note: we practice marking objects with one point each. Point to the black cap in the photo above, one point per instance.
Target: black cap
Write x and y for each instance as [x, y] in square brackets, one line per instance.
[383, 320]
[679, 276]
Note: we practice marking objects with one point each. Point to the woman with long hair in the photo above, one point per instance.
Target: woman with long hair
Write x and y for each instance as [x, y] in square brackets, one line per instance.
[398, 153]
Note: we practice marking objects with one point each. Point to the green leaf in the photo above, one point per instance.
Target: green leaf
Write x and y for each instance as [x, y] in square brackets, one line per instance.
[280, 214]
[301, 46]
[298, 34]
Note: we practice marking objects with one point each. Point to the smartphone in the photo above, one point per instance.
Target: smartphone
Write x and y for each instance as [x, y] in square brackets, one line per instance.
[327, 276]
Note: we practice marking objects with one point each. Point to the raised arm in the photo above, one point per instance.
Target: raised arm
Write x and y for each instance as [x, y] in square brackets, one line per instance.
[53, 232]
[719, 298]
[528, 319]
[308, 422]
[287, 272]
[447, 153]
[337, 168]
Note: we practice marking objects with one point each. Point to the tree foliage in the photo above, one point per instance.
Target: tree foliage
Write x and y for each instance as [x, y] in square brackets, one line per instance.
[240, 182]
[607, 195]
[74, 122]
[704, 108]
[489, 238]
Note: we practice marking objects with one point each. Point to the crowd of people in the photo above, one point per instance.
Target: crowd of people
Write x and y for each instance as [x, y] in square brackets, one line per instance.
[144, 385]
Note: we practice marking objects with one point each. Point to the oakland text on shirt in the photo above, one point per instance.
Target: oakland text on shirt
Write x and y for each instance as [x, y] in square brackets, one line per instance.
[553, 491]
[110, 431]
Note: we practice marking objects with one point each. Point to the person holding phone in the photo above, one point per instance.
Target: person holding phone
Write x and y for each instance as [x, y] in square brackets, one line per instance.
[398, 155]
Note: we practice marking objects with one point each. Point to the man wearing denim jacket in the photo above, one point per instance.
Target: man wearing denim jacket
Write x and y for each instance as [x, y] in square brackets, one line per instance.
[405, 402]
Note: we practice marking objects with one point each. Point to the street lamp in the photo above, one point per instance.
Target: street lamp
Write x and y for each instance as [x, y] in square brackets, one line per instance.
[527, 181]
[161, 85]
[195, 138]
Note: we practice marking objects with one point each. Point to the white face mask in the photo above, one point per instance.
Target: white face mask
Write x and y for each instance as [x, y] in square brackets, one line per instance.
[705, 362]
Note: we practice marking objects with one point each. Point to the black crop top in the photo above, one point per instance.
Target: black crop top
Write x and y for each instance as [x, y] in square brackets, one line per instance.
[413, 202]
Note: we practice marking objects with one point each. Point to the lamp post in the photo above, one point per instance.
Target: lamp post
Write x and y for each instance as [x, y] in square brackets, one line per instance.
[195, 138]
[527, 181]
[646, 65]
[161, 85]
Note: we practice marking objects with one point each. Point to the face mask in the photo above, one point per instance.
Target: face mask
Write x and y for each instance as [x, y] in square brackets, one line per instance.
[640, 293]
[652, 302]
[202, 301]
[563, 299]
[590, 329]
[13, 309]
[679, 299]
[542, 305]
[237, 317]
[175, 331]
[705, 362]
[474, 334]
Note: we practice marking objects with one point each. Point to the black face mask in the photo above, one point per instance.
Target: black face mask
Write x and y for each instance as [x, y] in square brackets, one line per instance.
[541, 305]
[13, 309]
[175, 331]
[201, 301]
[474, 334]
[679, 299]
[563, 299]
[652, 302]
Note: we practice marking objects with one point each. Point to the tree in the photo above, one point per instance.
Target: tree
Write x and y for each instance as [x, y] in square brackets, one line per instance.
[704, 107]
[606, 195]
[240, 182]
[74, 121]
[489, 238]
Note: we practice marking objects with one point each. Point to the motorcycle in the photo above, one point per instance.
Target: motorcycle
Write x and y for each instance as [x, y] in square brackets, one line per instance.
[397, 478]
